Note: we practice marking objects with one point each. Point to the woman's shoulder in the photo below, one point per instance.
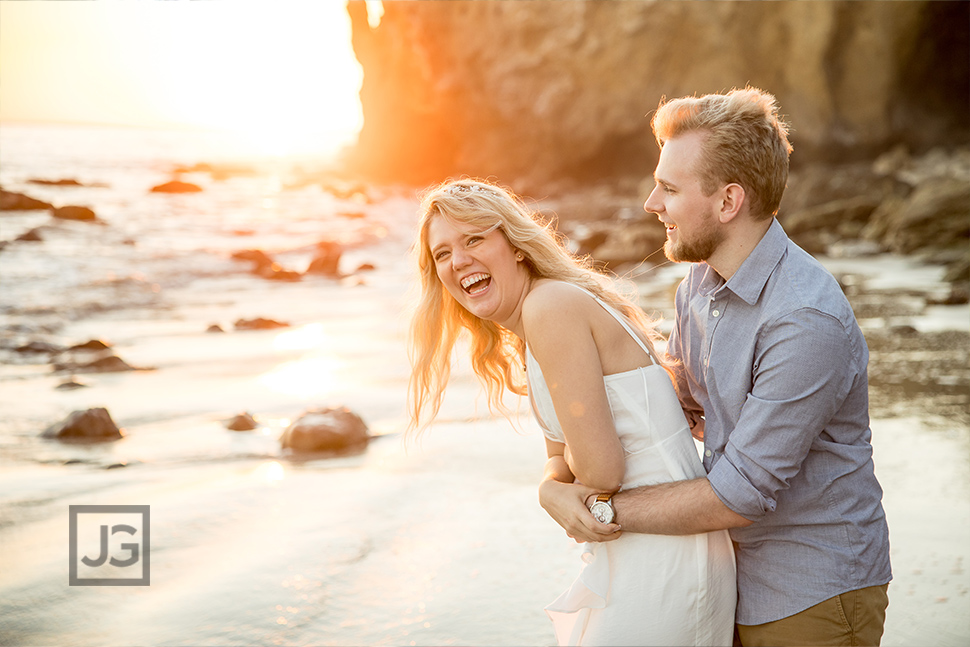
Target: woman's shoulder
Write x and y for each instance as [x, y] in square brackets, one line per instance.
[551, 298]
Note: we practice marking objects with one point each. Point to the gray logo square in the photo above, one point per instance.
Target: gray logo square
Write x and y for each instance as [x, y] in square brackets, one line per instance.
[110, 545]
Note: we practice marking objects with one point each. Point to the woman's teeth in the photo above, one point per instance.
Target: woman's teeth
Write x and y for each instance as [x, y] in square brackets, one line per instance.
[476, 282]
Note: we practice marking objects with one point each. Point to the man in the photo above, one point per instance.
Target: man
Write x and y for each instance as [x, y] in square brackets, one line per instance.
[768, 351]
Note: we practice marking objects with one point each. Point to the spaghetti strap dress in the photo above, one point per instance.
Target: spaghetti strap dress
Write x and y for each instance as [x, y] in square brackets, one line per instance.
[644, 589]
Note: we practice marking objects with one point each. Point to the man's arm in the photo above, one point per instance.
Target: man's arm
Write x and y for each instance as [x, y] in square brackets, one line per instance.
[678, 508]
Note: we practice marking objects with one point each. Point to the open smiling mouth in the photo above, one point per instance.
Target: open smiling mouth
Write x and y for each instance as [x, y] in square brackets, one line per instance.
[476, 283]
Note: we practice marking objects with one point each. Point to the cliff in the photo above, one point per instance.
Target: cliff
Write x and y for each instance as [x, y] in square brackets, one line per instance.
[538, 93]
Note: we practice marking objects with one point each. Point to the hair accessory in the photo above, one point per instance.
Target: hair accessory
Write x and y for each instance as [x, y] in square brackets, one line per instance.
[460, 190]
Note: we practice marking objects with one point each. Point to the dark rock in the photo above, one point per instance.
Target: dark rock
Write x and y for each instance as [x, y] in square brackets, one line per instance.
[176, 186]
[214, 328]
[276, 272]
[104, 364]
[10, 201]
[366, 267]
[40, 347]
[935, 215]
[91, 344]
[242, 422]
[903, 329]
[62, 182]
[92, 424]
[257, 257]
[32, 236]
[325, 430]
[115, 466]
[74, 213]
[958, 271]
[259, 323]
[959, 295]
[327, 259]
[631, 243]
[70, 385]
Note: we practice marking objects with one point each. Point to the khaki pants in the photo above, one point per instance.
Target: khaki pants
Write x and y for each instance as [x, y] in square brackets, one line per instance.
[853, 618]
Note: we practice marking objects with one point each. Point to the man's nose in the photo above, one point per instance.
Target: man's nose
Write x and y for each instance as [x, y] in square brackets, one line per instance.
[653, 203]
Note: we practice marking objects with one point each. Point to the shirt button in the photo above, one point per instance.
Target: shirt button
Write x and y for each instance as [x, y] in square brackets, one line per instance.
[707, 453]
[715, 313]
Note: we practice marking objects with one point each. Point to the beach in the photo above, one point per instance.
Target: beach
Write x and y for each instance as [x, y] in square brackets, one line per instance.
[434, 543]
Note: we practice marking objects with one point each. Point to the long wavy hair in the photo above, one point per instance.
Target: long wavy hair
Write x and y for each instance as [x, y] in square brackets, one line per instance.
[497, 355]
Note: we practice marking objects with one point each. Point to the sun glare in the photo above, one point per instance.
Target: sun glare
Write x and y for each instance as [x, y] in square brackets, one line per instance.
[280, 76]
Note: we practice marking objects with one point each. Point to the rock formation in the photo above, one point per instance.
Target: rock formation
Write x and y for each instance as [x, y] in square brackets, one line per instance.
[538, 92]
[326, 430]
[91, 424]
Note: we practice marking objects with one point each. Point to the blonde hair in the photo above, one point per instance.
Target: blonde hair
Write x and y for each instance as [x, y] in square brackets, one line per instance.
[497, 355]
[747, 142]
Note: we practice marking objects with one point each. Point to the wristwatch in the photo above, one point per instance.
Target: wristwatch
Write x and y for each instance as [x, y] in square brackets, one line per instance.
[602, 508]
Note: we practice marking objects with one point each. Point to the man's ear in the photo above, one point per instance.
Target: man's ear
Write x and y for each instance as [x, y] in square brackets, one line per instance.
[732, 202]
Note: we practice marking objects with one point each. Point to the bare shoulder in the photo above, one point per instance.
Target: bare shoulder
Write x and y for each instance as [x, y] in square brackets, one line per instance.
[556, 304]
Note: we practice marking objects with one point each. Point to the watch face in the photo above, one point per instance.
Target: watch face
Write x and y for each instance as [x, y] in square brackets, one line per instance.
[602, 512]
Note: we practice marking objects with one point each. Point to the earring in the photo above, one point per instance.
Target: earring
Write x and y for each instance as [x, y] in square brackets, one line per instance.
[519, 256]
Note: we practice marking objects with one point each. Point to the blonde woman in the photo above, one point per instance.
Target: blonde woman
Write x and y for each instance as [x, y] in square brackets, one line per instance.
[602, 396]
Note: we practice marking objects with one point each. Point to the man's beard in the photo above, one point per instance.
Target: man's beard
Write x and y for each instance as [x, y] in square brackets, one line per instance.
[698, 250]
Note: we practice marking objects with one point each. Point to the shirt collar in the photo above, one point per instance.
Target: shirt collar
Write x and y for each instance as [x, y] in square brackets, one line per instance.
[749, 280]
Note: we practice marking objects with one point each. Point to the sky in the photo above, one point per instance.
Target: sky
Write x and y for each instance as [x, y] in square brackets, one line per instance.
[279, 74]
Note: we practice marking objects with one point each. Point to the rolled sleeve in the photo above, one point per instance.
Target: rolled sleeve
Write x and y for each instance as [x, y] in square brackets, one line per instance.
[799, 381]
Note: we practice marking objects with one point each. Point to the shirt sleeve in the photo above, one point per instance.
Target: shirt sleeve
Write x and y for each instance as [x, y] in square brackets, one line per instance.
[803, 370]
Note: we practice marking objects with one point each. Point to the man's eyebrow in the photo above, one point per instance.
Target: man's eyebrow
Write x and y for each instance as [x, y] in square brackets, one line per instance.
[662, 182]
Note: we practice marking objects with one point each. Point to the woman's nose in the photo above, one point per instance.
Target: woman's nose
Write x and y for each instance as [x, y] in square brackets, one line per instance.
[459, 258]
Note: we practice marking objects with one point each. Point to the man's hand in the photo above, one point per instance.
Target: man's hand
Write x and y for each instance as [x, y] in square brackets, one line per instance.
[566, 504]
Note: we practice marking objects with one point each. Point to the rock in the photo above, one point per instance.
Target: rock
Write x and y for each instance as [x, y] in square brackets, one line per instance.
[959, 295]
[242, 422]
[352, 215]
[74, 213]
[935, 215]
[176, 186]
[62, 182]
[366, 267]
[323, 430]
[563, 93]
[10, 201]
[214, 328]
[259, 323]
[327, 259]
[275, 272]
[104, 364]
[32, 236]
[92, 424]
[70, 385]
[959, 271]
[257, 257]
[91, 344]
[40, 347]
[844, 217]
[632, 243]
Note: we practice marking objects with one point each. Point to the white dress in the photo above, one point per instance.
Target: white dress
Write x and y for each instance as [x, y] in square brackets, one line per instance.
[645, 589]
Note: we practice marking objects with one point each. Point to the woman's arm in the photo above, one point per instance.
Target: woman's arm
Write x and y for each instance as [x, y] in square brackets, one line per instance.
[559, 332]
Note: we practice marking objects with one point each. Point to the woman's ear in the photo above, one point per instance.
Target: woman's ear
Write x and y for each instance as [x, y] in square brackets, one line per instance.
[732, 202]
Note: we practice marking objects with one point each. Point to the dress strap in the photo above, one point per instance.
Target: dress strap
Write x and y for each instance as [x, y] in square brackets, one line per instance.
[623, 322]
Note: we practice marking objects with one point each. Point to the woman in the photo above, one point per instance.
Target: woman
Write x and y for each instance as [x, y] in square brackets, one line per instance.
[602, 396]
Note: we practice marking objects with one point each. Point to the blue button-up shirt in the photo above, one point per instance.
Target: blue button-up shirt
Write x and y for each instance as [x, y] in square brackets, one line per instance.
[776, 362]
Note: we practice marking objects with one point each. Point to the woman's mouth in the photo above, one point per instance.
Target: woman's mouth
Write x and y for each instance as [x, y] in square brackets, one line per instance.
[476, 283]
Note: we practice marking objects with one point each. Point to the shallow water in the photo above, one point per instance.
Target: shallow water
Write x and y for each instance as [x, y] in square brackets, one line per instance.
[441, 544]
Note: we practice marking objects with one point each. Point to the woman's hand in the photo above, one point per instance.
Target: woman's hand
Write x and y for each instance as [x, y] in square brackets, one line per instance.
[566, 504]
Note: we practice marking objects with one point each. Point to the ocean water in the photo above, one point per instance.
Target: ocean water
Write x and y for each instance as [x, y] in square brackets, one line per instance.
[441, 542]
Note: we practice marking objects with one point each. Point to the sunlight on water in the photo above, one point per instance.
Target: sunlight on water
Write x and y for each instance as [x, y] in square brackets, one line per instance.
[304, 338]
[271, 473]
[309, 377]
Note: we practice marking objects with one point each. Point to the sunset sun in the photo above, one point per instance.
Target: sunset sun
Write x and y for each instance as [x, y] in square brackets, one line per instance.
[281, 78]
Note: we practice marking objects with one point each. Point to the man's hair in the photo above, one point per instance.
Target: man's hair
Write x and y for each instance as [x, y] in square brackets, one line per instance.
[746, 143]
